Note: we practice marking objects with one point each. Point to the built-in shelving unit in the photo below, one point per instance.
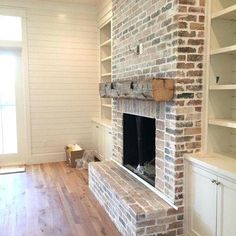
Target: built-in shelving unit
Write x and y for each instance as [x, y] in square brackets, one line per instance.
[102, 124]
[221, 94]
[105, 66]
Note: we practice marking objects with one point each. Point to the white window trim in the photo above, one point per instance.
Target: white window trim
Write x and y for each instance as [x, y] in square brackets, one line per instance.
[22, 46]
[11, 11]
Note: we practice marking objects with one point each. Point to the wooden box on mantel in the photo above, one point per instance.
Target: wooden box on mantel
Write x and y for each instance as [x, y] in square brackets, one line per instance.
[150, 89]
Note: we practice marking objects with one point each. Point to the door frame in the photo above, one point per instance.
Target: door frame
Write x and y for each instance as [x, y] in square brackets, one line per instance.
[22, 47]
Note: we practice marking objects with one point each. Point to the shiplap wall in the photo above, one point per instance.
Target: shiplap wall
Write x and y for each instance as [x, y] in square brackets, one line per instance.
[63, 68]
[233, 132]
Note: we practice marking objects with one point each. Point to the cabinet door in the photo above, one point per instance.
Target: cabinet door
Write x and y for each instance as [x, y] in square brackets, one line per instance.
[226, 220]
[108, 144]
[201, 203]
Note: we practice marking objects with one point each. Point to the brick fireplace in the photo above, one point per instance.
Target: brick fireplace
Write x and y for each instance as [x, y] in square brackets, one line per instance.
[172, 35]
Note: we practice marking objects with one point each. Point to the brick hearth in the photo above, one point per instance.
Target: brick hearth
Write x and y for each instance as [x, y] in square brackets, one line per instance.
[133, 207]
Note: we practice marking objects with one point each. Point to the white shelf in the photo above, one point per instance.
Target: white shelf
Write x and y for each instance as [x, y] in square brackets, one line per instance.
[225, 14]
[105, 66]
[225, 50]
[106, 75]
[104, 122]
[223, 87]
[106, 105]
[106, 59]
[106, 43]
[229, 123]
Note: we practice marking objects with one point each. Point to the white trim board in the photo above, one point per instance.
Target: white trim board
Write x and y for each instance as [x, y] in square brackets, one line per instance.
[47, 158]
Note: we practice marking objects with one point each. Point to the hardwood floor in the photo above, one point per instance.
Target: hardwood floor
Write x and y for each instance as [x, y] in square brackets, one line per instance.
[51, 199]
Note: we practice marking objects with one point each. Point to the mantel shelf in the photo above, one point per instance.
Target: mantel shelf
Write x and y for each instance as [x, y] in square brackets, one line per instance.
[106, 43]
[223, 87]
[225, 50]
[150, 89]
[227, 122]
[225, 14]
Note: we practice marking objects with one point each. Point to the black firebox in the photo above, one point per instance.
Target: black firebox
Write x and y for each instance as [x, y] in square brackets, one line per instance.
[139, 146]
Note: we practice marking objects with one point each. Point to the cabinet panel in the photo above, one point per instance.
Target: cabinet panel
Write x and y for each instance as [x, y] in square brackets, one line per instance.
[100, 138]
[226, 221]
[108, 144]
[201, 203]
[95, 130]
[102, 141]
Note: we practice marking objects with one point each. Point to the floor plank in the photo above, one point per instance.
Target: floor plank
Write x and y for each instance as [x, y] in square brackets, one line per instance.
[51, 199]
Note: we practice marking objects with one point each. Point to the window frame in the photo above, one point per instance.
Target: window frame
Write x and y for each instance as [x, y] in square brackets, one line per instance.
[22, 48]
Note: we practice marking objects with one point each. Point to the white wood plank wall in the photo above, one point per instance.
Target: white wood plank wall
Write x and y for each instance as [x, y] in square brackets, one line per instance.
[63, 75]
[233, 133]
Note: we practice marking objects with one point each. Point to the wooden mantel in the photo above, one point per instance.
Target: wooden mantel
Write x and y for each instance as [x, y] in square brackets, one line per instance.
[151, 89]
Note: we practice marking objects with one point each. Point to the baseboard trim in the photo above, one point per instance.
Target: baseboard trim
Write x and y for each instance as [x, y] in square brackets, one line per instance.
[46, 158]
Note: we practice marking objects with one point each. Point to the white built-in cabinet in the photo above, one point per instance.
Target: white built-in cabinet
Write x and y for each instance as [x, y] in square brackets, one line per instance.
[101, 126]
[210, 202]
[210, 176]
[102, 139]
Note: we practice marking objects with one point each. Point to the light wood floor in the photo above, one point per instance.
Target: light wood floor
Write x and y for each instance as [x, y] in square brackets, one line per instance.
[51, 199]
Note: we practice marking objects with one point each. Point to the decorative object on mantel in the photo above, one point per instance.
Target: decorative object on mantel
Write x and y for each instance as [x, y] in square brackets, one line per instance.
[150, 89]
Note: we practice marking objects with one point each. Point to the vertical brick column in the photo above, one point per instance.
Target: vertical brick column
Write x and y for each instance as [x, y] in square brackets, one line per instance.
[172, 34]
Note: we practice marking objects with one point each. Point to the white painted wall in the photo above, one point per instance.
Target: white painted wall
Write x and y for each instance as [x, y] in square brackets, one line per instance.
[63, 66]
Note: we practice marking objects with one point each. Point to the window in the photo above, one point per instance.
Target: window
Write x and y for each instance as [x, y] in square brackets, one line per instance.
[10, 28]
[10, 32]
[8, 130]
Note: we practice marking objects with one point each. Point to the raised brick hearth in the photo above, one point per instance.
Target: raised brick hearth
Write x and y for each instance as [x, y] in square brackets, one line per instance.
[131, 205]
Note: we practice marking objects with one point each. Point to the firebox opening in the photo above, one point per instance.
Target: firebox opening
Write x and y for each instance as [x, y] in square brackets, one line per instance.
[139, 146]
